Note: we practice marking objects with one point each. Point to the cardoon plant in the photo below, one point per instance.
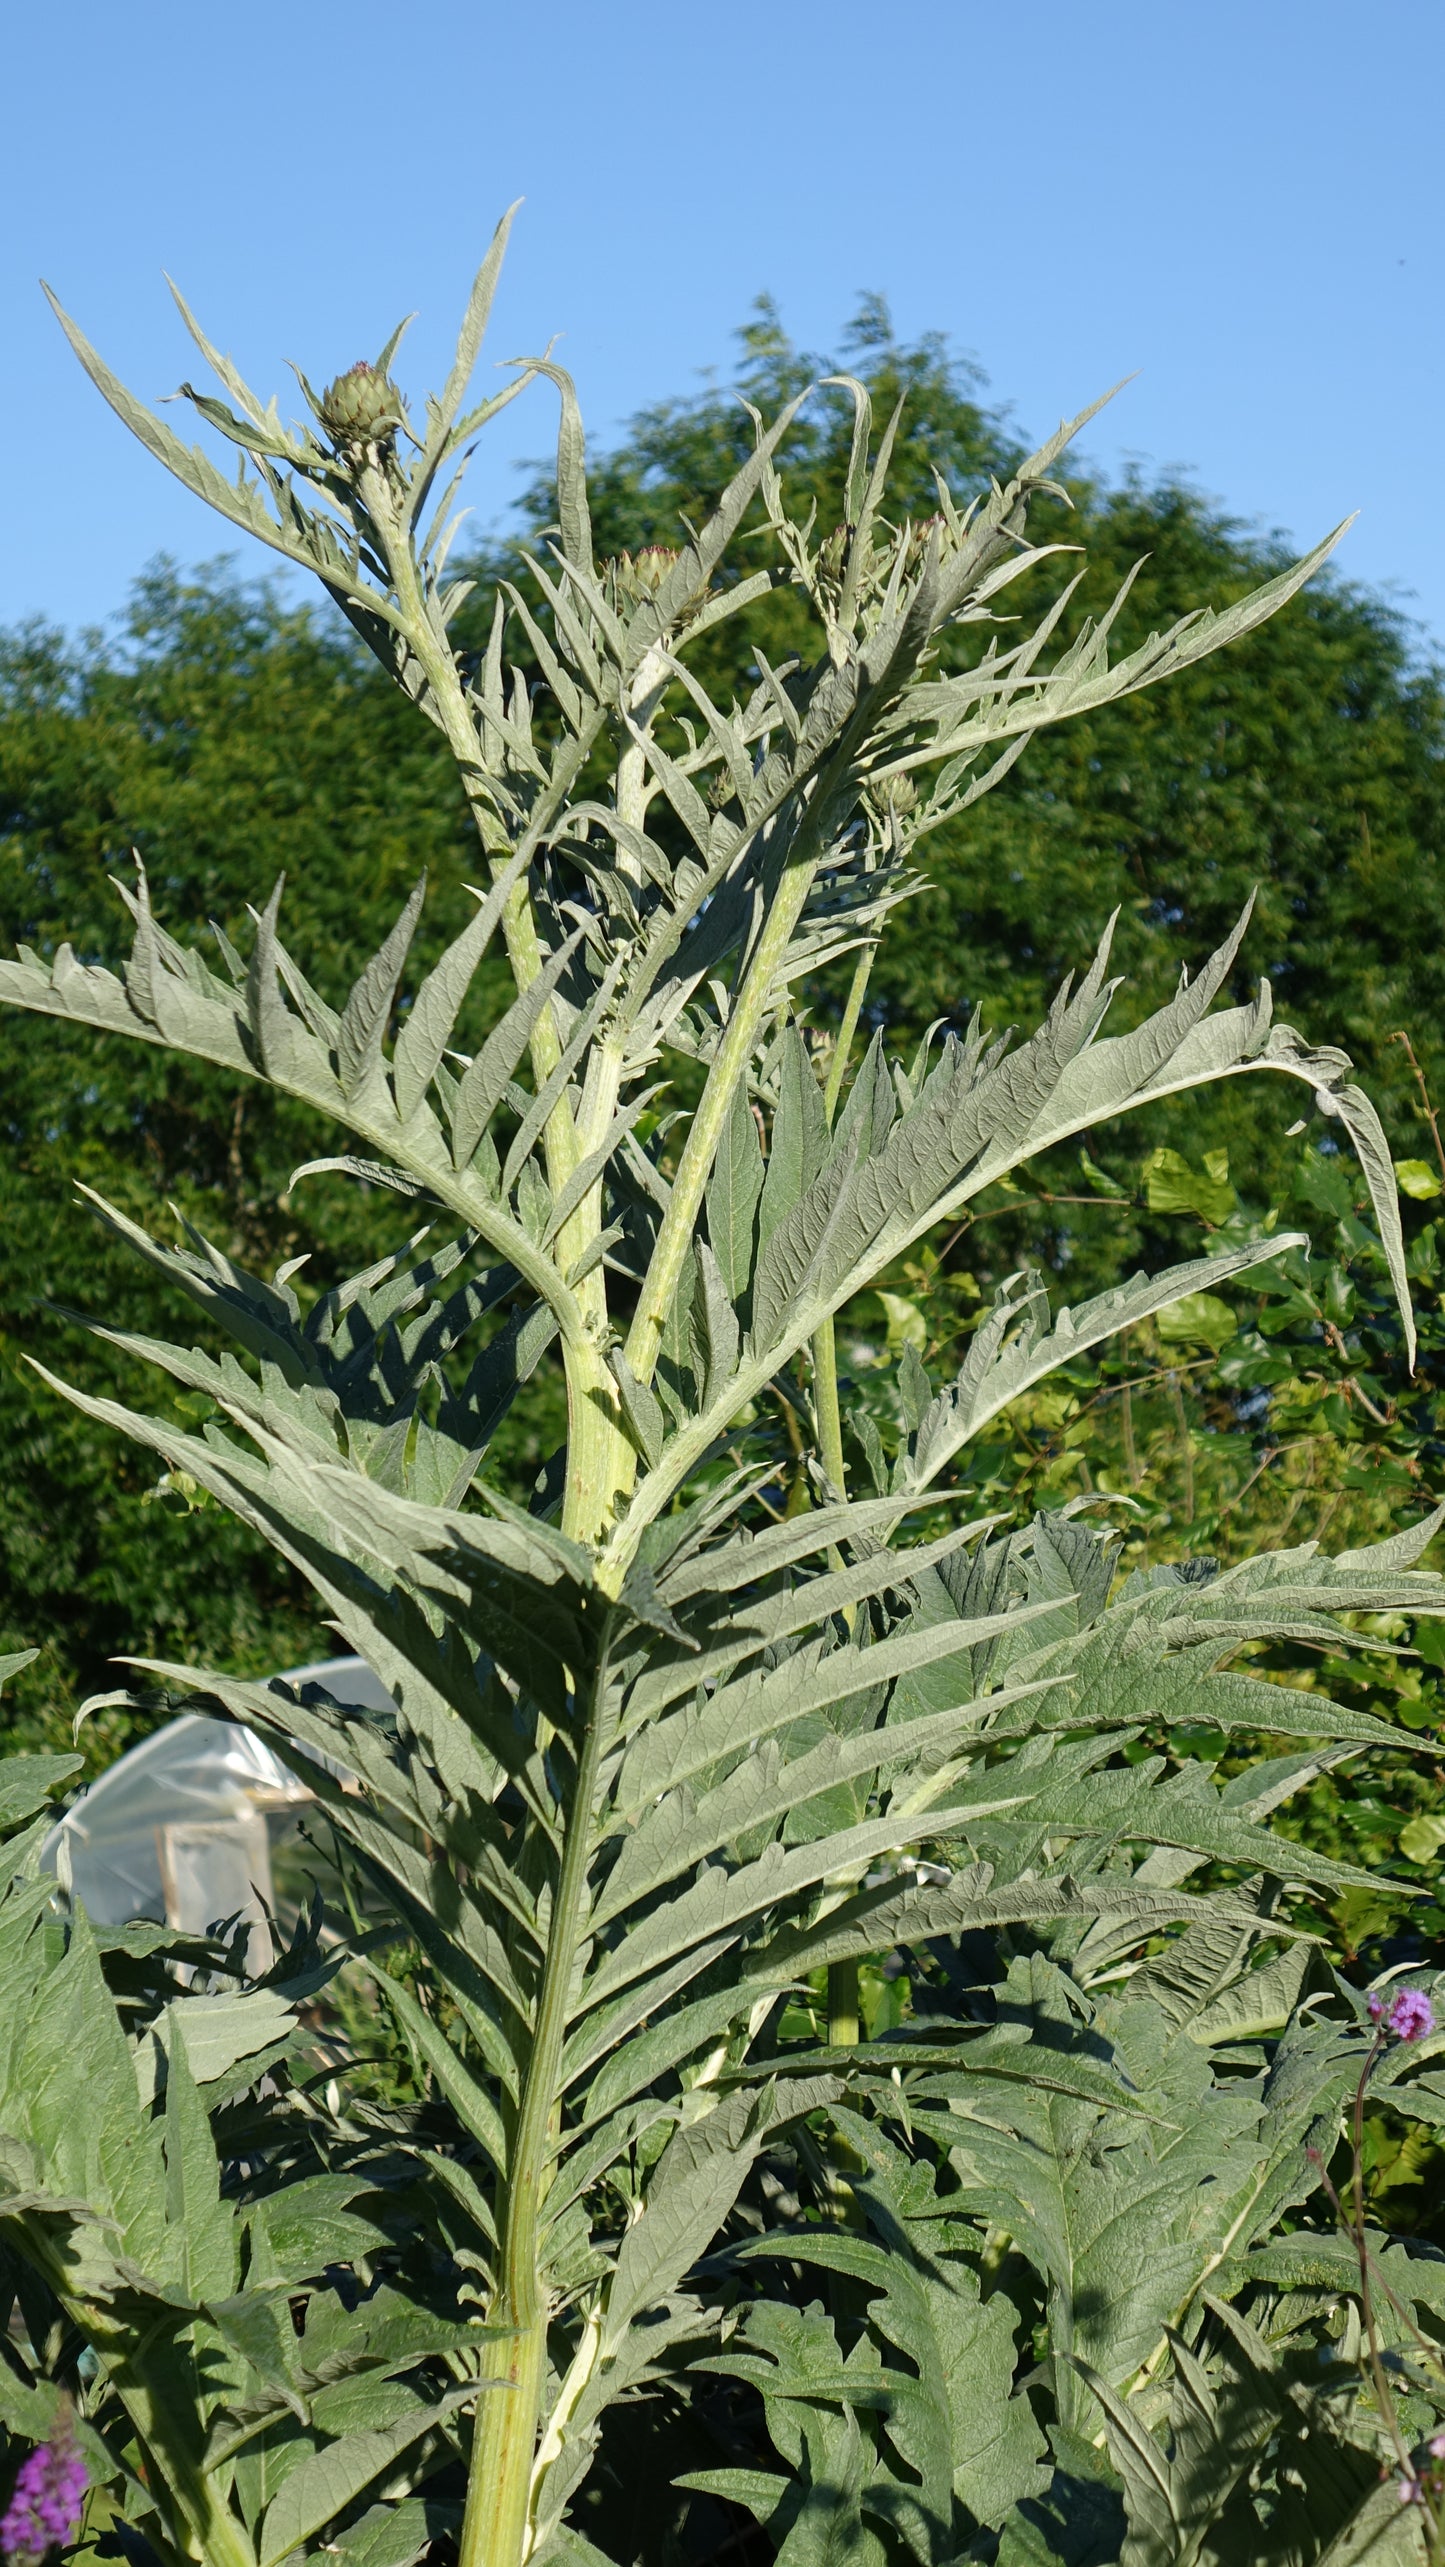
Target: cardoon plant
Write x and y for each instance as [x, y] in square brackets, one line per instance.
[675, 1738]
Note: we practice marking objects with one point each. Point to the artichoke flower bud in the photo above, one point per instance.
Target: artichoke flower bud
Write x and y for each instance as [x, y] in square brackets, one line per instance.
[651, 564]
[641, 574]
[361, 408]
[922, 535]
[833, 555]
[894, 797]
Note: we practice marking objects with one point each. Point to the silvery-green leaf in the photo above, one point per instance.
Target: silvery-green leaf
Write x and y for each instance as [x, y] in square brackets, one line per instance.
[484, 1083]
[423, 1038]
[367, 1010]
[799, 1143]
[733, 1190]
[1017, 1346]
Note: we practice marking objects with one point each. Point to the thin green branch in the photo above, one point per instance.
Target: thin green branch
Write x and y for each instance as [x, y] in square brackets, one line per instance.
[842, 1975]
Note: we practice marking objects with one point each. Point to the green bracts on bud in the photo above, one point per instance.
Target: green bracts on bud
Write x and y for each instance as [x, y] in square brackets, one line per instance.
[361, 408]
[895, 796]
[641, 574]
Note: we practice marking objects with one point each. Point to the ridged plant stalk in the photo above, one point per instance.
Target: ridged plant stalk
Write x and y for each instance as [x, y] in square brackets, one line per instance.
[499, 2522]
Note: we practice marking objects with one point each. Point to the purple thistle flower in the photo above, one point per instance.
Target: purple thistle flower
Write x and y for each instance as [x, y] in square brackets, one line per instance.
[1411, 2015]
[45, 2506]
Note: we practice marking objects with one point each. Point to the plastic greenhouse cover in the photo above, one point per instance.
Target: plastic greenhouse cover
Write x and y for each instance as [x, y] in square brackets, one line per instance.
[177, 1830]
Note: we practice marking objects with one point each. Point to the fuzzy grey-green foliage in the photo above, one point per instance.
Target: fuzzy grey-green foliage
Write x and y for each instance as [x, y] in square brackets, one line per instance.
[1135, 2204]
[654, 1763]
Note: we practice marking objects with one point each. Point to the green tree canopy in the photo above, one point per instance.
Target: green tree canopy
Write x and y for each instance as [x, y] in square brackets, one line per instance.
[225, 738]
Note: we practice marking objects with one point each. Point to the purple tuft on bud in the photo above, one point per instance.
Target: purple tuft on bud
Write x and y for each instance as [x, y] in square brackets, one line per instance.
[1409, 2491]
[641, 574]
[1374, 2005]
[45, 2507]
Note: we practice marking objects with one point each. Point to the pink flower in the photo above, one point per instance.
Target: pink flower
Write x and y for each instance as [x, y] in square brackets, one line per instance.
[45, 2505]
[1408, 2014]
[1411, 2015]
[1409, 2491]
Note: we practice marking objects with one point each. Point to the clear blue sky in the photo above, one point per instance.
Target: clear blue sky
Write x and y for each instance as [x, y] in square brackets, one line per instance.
[1240, 199]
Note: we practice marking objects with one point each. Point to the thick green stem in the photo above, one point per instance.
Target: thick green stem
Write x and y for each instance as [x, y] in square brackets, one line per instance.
[828, 1417]
[499, 2490]
[600, 1460]
[1383, 2394]
[495, 2530]
[852, 1010]
[842, 2005]
[842, 1975]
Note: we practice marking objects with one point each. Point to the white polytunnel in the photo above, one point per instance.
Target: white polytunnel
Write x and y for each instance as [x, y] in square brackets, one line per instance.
[181, 1829]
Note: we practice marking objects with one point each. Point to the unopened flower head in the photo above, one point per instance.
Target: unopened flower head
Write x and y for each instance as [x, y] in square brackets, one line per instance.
[45, 2507]
[641, 574]
[361, 407]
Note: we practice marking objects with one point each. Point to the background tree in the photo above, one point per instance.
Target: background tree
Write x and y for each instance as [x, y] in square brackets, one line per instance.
[221, 733]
